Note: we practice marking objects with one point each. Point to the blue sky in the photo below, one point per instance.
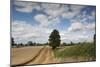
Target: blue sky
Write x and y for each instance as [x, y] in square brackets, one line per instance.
[34, 21]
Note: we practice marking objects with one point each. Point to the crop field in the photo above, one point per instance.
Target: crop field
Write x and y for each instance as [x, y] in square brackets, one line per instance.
[23, 54]
[32, 55]
[76, 53]
[45, 54]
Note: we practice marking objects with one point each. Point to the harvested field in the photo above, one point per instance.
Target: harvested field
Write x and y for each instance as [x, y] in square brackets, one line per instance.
[45, 55]
[32, 55]
[24, 54]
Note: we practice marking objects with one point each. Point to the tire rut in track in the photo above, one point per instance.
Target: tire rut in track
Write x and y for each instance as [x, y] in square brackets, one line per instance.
[40, 58]
[46, 56]
[26, 62]
[49, 56]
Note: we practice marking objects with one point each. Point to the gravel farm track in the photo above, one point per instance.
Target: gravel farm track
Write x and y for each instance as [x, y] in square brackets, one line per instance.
[32, 55]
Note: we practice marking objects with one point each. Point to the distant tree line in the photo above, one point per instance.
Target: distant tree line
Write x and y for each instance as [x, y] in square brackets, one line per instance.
[29, 43]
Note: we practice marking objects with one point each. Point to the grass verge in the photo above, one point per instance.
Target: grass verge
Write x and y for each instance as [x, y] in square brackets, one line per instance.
[86, 50]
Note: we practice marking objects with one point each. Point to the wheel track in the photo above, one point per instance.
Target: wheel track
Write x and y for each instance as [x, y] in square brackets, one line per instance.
[45, 56]
[22, 64]
[49, 57]
[40, 58]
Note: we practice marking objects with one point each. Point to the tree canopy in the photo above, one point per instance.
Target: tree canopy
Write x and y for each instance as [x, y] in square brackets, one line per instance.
[54, 39]
[12, 42]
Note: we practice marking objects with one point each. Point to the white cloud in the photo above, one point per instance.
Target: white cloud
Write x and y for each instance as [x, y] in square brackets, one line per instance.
[72, 11]
[56, 10]
[90, 26]
[26, 7]
[77, 26]
[85, 17]
[19, 3]
[23, 32]
[53, 10]
[48, 17]
[73, 37]
[51, 6]
[92, 16]
[76, 37]
[42, 19]
[76, 7]
[69, 14]
[46, 21]
[93, 13]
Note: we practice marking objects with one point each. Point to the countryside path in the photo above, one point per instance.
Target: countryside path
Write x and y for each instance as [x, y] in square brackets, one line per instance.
[45, 56]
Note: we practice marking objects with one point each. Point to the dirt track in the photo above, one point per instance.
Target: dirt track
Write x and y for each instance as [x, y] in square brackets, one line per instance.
[38, 55]
[46, 56]
[32, 55]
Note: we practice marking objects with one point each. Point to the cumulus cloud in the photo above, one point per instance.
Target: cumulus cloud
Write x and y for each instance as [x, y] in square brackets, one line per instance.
[53, 10]
[73, 37]
[85, 17]
[77, 26]
[76, 37]
[83, 22]
[46, 21]
[26, 7]
[24, 31]
[72, 11]
[42, 19]
[48, 17]
[69, 15]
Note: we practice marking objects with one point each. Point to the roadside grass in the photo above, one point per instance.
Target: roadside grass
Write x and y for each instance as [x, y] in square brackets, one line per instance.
[80, 50]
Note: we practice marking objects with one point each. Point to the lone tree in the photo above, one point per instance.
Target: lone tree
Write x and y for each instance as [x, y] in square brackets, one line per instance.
[12, 42]
[94, 38]
[54, 39]
[30, 43]
[71, 43]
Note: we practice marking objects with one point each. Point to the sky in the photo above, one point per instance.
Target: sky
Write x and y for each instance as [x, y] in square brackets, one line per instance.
[34, 21]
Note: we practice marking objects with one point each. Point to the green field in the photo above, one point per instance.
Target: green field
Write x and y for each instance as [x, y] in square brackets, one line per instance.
[85, 50]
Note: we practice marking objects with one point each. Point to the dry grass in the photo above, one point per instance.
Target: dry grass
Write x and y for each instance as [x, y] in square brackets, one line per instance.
[76, 53]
